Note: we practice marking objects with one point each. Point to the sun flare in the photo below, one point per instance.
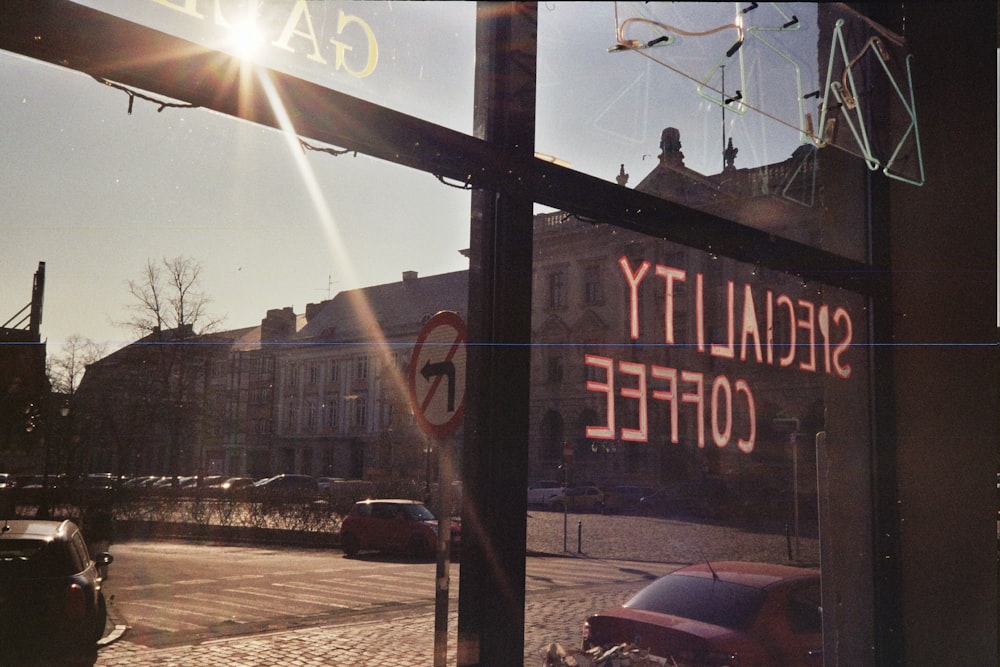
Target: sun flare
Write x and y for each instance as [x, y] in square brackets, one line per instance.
[245, 39]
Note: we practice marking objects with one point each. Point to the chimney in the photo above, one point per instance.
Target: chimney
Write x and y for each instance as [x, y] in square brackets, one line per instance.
[312, 309]
[409, 277]
[279, 323]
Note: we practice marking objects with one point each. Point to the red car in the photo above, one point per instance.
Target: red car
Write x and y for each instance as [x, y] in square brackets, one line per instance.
[726, 613]
[400, 526]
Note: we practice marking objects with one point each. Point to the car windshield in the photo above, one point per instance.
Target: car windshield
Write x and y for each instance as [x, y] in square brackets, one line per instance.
[417, 513]
[34, 558]
[702, 599]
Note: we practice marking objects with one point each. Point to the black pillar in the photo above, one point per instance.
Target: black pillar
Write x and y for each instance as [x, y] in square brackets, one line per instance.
[495, 459]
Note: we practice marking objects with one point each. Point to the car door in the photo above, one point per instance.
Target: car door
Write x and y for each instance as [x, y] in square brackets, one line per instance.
[380, 526]
[802, 642]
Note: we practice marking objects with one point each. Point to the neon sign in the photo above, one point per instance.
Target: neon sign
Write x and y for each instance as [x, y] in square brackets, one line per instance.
[815, 338]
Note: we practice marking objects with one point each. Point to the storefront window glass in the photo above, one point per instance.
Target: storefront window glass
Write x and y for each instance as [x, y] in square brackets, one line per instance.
[684, 407]
[416, 58]
[718, 106]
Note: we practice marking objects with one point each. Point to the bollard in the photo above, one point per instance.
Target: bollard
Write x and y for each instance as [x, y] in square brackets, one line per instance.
[579, 537]
[788, 540]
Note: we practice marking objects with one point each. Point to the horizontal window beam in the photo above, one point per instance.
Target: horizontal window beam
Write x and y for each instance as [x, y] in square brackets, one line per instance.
[139, 57]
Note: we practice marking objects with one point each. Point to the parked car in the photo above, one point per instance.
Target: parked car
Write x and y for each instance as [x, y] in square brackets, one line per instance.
[540, 491]
[6, 480]
[233, 484]
[141, 482]
[393, 525]
[708, 497]
[577, 499]
[725, 613]
[325, 483]
[290, 486]
[625, 498]
[50, 589]
[101, 481]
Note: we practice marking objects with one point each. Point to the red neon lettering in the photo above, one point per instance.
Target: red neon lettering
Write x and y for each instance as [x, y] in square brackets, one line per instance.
[746, 446]
[809, 325]
[699, 310]
[698, 398]
[823, 322]
[670, 375]
[790, 357]
[842, 370]
[633, 280]
[727, 351]
[606, 432]
[669, 275]
[749, 326]
[769, 335]
[640, 434]
[720, 386]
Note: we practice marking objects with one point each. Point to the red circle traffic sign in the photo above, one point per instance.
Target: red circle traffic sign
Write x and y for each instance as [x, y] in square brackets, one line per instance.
[437, 374]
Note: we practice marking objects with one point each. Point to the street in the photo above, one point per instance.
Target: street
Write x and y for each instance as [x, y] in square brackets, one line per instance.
[189, 605]
[178, 596]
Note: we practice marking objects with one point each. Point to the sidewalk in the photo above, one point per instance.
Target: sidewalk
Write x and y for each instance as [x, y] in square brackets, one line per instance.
[550, 617]
[402, 642]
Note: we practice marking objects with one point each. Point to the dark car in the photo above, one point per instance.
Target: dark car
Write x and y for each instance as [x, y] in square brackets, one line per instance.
[399, 526]
[724, 613]
[234, 484]
[50, 589]
[625, 498]
[286, 486]
[707, 498]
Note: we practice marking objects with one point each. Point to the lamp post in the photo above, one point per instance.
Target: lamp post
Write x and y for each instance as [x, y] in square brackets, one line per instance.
[45, 506]
[792, 424]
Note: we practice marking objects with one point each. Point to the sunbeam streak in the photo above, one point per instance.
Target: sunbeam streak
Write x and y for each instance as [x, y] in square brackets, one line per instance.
[331, 231]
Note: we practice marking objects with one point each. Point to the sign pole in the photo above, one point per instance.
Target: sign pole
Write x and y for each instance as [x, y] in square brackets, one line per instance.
[442, 579]
[437, 394]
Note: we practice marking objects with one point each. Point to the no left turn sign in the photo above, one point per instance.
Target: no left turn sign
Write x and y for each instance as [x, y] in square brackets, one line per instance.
[437, 374]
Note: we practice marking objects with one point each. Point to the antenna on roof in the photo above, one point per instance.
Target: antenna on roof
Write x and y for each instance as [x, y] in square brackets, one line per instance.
[329, 285]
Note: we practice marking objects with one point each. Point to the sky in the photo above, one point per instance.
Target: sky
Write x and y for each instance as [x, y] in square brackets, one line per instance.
[95, 192]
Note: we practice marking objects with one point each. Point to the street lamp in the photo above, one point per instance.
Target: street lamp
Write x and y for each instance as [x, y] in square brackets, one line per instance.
[792, 425]
[45, 507]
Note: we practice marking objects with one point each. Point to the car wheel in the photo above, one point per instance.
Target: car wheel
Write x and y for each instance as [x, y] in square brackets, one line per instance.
[102, 617]
[351, 546]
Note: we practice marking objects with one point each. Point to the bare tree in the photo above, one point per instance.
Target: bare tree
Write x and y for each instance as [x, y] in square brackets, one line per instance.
[170, 316]
[169, 297]
[66, 369]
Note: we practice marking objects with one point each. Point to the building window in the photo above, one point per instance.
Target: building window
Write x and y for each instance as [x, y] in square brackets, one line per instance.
[360, 414]
[334, 371]
[592, 293]
[361, 368]
[293, 416]
[557, 289]
[555, 369]
[310, 415]
[332, 412]
[313, 373]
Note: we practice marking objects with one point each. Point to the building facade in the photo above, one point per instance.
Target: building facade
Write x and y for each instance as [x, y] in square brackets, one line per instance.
[321, 393]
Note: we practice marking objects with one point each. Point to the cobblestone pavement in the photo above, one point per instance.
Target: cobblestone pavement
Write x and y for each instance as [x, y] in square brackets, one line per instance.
[551, 616]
